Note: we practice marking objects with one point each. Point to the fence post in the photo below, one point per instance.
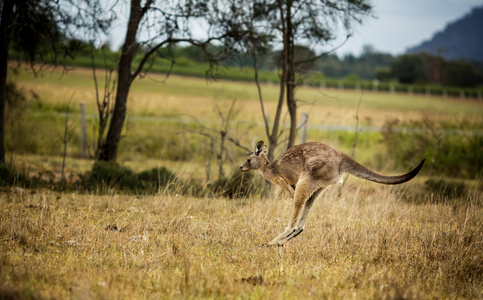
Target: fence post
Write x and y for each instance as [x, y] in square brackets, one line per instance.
[375, 85]
[303, 135]
[83, 129]
[462, 94]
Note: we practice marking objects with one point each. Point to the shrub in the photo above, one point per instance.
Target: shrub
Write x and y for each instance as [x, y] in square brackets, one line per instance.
[11, 177]
[155, 178]
[239, 185]
[446, 189]
[453, 149]
[191, 187]
[109, 175]
[8, 176]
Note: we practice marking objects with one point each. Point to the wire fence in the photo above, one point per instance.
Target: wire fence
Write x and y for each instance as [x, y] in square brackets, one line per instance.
[376, 86]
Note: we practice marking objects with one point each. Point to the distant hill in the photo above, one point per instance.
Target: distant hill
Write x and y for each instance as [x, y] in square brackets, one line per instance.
[460, 39]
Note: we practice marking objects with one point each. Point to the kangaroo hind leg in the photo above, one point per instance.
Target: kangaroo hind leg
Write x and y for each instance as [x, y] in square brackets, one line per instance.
[308, 206]
[299, 226]
[302, 196]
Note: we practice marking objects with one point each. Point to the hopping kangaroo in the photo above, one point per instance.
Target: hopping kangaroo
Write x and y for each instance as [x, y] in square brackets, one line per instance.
[305, 171]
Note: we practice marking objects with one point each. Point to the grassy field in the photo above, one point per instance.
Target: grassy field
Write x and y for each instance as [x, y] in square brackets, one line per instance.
[164, 106]
[415, 241]
[367, 244]
[155, 96]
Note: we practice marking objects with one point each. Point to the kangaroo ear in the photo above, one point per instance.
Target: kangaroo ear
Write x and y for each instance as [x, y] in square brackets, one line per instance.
[260, 147]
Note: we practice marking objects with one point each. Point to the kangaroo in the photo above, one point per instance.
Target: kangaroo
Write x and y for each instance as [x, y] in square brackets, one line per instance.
[305, 171]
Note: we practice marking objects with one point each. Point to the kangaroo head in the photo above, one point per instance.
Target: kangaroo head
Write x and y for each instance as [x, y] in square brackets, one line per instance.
[257, 159]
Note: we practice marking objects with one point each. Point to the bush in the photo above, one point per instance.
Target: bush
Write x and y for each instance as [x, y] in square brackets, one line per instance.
[453, 149]
[8, 176]
[109, 175]
[11, 177]
[155, 178]
[446, 189]
[239, 185]
[103, 177]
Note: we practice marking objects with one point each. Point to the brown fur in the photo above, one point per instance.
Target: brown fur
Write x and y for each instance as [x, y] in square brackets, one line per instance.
[305, 171]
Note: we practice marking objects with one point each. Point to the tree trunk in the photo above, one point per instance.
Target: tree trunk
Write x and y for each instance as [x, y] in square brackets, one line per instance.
[7, 11]
[125, 78]
[273, 137]
[290, 82]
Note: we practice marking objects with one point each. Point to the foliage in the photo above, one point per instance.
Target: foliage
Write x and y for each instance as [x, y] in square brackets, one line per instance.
[404, 73]
[453, 149]
[9, 177]
[409, 69]
[156, 178]
[238, 185]
[425, 68]
[445, 189]
[18, 109]
[35, 31]
[366, 65]
[462, 73]
[106, 176]
[109, 174]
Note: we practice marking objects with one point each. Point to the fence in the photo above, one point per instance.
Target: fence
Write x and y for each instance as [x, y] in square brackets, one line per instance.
[376, 86]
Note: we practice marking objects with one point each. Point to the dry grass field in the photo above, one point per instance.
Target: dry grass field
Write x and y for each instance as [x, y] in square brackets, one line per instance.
[158, 109]
[367, 244]
[371, 242]
[157, 96]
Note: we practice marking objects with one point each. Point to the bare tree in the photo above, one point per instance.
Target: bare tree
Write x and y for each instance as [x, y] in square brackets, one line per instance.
[151, 26]
[103, 98]
[286, 24]
[66, 137]
[219, 136]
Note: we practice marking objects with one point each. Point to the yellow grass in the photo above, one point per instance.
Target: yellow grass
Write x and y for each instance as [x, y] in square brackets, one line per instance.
[367, 244]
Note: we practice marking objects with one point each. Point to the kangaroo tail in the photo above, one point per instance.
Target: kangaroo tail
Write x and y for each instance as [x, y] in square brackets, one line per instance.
[349, 165]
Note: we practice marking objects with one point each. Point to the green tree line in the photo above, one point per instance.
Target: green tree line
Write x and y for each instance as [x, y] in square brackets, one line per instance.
[420, 70]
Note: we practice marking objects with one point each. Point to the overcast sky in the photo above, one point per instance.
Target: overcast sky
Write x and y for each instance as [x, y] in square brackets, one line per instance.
[400, 24]
[397, 25]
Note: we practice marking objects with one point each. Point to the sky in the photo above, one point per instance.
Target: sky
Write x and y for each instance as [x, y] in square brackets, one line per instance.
[396, 26]
[401, 24]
